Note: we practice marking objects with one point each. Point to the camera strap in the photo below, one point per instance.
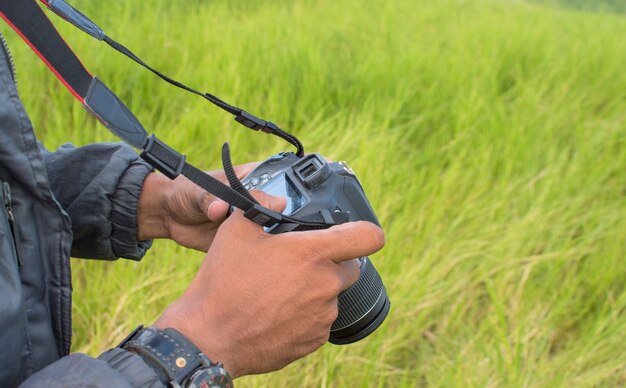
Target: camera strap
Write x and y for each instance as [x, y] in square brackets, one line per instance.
[32, 25]
[82, 22]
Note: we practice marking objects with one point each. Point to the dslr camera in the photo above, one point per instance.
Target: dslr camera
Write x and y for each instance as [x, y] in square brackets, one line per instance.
[319, 190]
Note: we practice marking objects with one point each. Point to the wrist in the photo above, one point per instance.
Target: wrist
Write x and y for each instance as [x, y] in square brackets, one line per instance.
[206, 336]
[152, 212]
[175, 359]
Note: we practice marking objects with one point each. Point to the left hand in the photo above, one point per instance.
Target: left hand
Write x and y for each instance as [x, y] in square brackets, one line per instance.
[181, 211]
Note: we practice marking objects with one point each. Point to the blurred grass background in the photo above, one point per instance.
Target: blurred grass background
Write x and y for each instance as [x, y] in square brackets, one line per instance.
[490, 137]
[589, 5]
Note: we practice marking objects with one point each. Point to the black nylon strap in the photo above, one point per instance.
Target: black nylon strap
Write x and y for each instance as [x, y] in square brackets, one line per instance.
[214, 99]
[29, 21]
[172, 163]
[241, 116]
[79, 20]
[234, 182]
[216, 187]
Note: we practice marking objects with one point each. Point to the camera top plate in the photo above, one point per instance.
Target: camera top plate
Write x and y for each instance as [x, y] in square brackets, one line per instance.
[312, 185]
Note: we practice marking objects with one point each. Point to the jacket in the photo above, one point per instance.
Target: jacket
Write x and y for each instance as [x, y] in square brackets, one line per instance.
[77, 201]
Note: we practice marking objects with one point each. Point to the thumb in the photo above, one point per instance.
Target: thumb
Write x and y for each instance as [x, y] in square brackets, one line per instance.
[215, 209]
[271, 202]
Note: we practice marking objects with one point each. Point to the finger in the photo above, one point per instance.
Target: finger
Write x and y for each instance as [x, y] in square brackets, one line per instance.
[342, 242]
[350, 272]
[243, 170]
[271, 202]
[214, 208]
[217, 210]
[210, 207]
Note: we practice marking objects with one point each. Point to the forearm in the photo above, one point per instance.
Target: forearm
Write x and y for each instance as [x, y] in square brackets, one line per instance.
[99, 185]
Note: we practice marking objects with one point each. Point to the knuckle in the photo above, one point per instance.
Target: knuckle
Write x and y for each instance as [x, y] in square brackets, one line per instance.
[323, 338]
[319, 339]
[313, 342]
[205, 198]
[332, 314]
[335, 284]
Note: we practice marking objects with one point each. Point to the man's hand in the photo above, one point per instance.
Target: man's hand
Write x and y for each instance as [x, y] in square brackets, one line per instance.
[181, 211]
[261, 301]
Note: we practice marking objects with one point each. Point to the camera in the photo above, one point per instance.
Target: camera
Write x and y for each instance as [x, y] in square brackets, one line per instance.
[319, 190]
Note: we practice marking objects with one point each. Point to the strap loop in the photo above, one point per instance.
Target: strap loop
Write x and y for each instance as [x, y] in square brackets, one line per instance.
[163, 157]
[75, 17]
[262, 216]
[234, 182]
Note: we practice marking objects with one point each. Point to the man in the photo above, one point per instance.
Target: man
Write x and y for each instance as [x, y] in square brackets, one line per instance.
[258, 302]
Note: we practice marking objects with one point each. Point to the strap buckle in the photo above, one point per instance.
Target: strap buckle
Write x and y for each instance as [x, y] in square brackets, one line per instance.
[163, 157]
[251, 121]
[262, 216]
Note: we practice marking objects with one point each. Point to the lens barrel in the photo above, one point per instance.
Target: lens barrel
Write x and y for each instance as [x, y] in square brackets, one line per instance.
[362, 307]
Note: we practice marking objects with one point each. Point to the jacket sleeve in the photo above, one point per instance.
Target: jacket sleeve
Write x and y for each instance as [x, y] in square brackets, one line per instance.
[98, 185]
[78, 370]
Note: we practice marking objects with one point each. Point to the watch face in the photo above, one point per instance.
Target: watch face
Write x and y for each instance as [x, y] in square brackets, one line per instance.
[211, 377]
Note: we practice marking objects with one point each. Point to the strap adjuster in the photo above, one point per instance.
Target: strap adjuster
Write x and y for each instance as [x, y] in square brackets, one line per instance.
[163, 157]
[251, 121]
[262, 216]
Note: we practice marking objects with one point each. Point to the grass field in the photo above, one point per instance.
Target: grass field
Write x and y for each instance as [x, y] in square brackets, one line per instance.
[589, 5]
[490, 137]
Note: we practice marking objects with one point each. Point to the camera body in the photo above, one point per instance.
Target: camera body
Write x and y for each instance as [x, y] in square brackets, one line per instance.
[312, 186]
[317, 190]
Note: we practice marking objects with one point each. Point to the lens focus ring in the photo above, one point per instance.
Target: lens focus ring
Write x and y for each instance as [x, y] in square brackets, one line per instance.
[359, 298]
[362, 307]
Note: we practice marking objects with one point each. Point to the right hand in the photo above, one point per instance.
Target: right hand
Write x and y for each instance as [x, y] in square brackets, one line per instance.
[261, 301]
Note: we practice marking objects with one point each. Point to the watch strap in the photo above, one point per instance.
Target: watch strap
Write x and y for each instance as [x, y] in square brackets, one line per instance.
[169, 352]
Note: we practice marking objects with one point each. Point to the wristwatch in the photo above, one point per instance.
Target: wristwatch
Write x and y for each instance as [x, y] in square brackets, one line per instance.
[175, 359]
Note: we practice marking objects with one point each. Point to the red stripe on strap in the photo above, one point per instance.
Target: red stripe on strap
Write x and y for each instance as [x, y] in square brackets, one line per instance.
[81, 99]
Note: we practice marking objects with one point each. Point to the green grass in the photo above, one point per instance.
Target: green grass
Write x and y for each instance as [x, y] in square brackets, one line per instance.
[587, 5]
[490, 137]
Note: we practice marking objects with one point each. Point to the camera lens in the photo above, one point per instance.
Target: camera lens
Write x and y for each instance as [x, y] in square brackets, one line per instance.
[362, 307]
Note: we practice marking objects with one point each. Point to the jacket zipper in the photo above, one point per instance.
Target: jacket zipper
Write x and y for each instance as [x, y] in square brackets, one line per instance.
[9, 57]
[14, 229]
[6, 189]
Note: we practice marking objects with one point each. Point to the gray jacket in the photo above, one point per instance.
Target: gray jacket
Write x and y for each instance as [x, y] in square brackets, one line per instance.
[75, 201]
